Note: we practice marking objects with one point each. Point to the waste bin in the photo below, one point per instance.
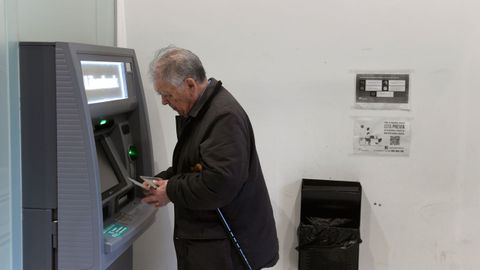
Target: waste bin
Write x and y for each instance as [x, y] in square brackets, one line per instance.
[329, 230]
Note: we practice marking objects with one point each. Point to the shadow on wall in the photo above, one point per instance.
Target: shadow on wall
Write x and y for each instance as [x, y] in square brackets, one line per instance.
[287, 235]
[293, 225]
[154, 250]
[372, 258]
[161, 159]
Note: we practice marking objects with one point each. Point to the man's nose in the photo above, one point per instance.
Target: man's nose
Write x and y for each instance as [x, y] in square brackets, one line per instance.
[164, 100]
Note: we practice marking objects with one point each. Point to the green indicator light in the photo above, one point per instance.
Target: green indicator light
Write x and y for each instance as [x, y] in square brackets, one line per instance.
[103, 122]
[133, 152]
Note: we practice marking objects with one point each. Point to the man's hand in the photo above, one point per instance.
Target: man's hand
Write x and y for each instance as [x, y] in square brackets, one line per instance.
[157, 197]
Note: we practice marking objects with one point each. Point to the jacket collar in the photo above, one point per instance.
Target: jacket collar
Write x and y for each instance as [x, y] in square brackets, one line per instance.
[208, 93]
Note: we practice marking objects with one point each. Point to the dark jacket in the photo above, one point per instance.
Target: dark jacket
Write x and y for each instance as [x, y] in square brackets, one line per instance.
[215, 165]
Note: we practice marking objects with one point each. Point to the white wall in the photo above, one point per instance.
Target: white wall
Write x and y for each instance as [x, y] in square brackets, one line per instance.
[469, 171]
[87, 21]
[290, 64]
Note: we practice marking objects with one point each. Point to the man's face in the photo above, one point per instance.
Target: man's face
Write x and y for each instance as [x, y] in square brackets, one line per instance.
[178, 98]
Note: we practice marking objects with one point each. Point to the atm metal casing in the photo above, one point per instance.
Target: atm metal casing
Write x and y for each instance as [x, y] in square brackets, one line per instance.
[64, 214]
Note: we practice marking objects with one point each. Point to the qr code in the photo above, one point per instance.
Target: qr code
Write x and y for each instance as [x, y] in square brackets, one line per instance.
[394, 140]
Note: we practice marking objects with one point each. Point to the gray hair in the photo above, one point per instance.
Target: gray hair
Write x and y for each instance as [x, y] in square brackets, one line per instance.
[173, 65]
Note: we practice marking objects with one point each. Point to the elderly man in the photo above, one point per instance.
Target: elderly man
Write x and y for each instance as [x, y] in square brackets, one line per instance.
[223, 215]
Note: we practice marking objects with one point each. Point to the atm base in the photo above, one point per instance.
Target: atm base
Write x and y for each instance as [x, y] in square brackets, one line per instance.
[124, 262]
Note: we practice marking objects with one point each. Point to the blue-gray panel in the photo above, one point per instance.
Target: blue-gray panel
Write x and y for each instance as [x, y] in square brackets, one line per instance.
[37, 99]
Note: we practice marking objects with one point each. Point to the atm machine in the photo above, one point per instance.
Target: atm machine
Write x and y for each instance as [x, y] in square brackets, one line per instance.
[85, 133]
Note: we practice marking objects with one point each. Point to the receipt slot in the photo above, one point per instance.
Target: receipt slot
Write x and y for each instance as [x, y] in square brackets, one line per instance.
[85, 132]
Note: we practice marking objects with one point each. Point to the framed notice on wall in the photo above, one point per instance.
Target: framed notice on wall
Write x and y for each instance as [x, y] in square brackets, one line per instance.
[382, 136]
[382, 91]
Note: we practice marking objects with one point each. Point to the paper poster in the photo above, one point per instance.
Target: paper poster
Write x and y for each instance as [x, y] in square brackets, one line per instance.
[382, 136]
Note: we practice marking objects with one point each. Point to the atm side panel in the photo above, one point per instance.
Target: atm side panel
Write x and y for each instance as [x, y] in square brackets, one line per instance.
[39, 172]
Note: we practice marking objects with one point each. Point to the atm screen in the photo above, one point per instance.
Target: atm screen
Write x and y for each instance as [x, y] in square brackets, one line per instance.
[104, 81]
[108, 178]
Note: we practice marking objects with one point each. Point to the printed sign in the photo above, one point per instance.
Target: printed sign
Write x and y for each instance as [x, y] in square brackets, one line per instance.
[382, 91]
[382, 136]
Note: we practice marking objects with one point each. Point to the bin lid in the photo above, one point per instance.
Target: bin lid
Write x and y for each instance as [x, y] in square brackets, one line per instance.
[331, 199]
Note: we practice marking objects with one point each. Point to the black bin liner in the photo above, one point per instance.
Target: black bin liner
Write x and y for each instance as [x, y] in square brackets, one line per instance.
[327, 233]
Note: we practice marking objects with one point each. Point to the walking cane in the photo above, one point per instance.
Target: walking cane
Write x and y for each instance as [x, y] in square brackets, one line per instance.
[198, 168]
[233, 239]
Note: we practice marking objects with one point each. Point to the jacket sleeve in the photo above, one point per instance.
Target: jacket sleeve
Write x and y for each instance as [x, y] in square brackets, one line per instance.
[224, 154]
[166, 174]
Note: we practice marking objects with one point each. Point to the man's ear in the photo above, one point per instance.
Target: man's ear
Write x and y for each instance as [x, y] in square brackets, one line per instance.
[191, 83]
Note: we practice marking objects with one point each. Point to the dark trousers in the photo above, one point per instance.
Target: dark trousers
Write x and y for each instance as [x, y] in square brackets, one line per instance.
[214, 254]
